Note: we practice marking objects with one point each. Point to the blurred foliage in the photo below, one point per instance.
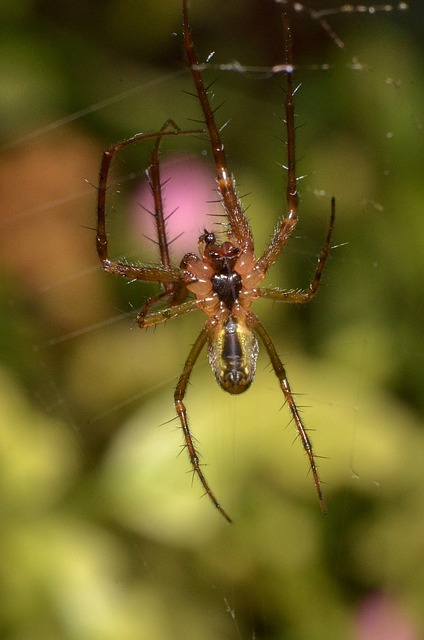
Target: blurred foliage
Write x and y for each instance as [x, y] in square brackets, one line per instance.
[103, 536]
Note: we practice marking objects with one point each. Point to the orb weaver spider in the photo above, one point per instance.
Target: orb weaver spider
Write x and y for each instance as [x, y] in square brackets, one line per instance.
[222, 279]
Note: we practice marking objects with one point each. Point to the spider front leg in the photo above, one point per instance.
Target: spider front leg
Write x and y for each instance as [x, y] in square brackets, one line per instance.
[151, 318]
[177, 303]
[179, 394]
[280, 372]
[238, 223]
[174, 293]
[289, 221]
[305, 296]
[150, 273]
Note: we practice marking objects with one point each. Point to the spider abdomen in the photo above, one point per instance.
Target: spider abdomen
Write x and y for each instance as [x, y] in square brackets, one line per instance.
[233, 352]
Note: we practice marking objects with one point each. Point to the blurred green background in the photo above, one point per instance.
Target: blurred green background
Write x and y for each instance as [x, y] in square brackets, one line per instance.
[103, 535]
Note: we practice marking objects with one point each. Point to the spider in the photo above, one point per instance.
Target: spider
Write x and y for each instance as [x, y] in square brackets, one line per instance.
[222, 279]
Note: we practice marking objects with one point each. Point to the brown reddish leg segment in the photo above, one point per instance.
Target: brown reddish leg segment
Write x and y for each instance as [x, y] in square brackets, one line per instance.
[179, 394]
[306, 295]
[233, 208]
[149, 273]
[280, 372]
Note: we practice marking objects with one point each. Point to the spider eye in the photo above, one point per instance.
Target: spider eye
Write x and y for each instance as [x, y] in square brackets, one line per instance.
[208, 237]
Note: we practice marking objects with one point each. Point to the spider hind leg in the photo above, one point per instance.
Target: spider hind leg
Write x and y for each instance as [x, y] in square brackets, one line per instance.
[280, 372]
[180, 408]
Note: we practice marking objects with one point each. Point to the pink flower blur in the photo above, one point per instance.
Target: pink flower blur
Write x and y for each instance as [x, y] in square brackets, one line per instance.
[380, 618]
[190, 204]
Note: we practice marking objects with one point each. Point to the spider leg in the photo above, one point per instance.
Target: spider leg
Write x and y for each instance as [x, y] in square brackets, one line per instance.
[307, 294]
[169, 313]
[150, 273]
[226, 186]
[145, 272]
[280, 372]
[175, 293]
[153, 175]
[179, 394]
[289, 221]
[175, 297]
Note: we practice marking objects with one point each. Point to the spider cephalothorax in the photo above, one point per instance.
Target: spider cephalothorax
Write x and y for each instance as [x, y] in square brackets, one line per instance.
[222, 279]
[225, 289]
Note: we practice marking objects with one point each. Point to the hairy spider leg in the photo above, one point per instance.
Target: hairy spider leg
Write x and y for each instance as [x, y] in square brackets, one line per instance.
[174, 292]
[304, 295]
[280, 372]
[289, 221]
[237, 220]
[182, 414]
[274, 249]
[150, 273]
